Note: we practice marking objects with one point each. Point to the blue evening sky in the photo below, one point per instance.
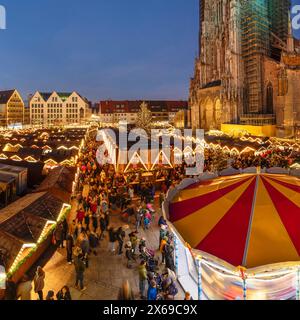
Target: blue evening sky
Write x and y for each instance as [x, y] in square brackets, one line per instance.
[104, 49]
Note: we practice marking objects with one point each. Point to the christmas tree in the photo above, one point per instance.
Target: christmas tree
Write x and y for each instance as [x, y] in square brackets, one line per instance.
[144, 117]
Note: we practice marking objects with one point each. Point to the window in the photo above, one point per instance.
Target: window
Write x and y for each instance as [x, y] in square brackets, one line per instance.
[270, 100]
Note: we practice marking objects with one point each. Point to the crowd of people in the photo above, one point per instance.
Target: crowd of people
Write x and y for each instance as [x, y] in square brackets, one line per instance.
[101, 192]
[216, 159]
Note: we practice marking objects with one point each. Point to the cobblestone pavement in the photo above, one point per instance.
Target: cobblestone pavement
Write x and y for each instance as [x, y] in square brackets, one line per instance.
[106, 271]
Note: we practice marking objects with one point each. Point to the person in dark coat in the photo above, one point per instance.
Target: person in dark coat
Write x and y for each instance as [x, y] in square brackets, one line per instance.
[120, 238]
[169, 256]
[93, 241]
[65, 229]
[59, 237]
[50, 296]
[129, 254]
[102, 226]
[111, 239]
[11, 290]
[64, 294]
[79, 269]
[95, 222]
[70, 246]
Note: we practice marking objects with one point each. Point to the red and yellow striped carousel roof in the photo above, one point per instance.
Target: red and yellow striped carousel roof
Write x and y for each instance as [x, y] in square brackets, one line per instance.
[250, 220]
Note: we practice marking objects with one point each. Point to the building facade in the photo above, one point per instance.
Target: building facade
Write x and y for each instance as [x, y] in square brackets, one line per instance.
[11, 108]
[57, 108]
[112, 112]
[247, 70]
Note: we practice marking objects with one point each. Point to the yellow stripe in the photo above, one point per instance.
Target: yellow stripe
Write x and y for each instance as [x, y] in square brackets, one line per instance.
[195, 227]
[289, 193]
[284, 178]
[217, 184]
[269, 240]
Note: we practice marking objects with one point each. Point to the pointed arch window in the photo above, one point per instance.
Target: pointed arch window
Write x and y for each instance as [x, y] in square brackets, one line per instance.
[270, 98]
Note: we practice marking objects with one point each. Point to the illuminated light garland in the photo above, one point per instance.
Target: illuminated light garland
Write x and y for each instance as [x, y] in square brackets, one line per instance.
[44, 231]
[295, 166]
[51, 162]
[3, 156]
[74, 148]
[62, 211]
[187, 149]
[30, 159]
[25, 246]
[62, 148]
[234, 150]
[247, 149]
[161, 153]
[67, 162]
[16, 158]
[226, 148]
[131, 161]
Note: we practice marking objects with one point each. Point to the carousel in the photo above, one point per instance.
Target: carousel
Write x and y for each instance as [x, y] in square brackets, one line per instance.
[237, 237]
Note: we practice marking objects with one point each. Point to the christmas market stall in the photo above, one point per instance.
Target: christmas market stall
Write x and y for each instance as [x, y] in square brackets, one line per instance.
[26, 230]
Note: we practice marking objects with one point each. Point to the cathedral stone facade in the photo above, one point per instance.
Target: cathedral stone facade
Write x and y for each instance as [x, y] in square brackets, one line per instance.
[248, 68]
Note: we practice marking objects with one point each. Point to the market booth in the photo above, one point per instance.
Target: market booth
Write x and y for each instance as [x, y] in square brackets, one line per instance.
[237, 237]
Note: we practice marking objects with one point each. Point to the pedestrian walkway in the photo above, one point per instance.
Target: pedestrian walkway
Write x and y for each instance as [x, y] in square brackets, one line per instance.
[106, 271]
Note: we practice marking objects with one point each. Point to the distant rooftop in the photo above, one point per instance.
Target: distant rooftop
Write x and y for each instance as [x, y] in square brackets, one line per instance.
[5, 96]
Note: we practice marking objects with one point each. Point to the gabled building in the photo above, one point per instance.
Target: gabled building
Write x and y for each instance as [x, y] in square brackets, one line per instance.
[58, 108]
[11, 108]
[111, 111]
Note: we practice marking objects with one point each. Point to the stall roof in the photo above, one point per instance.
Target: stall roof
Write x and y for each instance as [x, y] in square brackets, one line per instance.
[9, 211]
[10, 246]
[24, 226]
